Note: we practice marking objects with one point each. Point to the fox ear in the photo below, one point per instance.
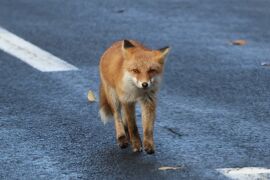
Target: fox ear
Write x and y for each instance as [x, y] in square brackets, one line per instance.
[164, 52]
[127, 44]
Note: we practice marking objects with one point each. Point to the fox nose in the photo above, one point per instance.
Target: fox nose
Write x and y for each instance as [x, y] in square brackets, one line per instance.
[144, 84]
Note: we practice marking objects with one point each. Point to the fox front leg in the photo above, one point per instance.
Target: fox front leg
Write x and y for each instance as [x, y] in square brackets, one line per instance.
[148, 119]
[130, 120]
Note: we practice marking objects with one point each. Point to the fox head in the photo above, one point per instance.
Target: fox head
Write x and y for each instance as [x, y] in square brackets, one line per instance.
[143, 67]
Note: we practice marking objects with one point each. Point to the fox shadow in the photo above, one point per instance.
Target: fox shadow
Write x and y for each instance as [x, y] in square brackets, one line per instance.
[127, 164]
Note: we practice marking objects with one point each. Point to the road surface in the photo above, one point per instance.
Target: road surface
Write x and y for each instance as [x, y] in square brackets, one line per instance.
[213, 109]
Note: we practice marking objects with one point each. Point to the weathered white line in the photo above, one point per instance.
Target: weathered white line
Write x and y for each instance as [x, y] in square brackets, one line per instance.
[246, 173]
[31, 54]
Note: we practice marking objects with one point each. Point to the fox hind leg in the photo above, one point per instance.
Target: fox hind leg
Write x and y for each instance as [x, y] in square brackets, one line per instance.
[113, 104]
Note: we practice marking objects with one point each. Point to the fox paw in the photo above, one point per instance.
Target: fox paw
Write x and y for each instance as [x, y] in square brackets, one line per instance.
[137, 149]
[149, 147]
[136, 146]
[122, 142]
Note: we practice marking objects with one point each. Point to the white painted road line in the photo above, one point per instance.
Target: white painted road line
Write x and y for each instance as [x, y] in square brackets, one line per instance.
[246, 173]
[31, 54]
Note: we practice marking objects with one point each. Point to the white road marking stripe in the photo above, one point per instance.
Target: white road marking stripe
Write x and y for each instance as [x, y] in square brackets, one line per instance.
[31, 54]
[246, 173]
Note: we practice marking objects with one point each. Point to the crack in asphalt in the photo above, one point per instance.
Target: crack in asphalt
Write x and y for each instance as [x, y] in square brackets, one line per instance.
[172, 130]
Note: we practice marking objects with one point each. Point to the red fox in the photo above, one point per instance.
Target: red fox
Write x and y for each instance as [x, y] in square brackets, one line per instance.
[130, 73]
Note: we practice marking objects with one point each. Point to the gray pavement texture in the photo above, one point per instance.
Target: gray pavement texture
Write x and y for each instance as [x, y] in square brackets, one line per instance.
[213, 107]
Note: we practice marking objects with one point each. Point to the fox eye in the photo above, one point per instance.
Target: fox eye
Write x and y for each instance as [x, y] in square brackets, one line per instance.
[136, 71]
[152, 71]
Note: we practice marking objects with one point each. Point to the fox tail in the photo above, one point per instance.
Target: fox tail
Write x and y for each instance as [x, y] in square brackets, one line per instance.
[105, 111]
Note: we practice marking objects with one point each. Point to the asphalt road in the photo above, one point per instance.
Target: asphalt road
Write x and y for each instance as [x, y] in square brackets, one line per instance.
[213, 107]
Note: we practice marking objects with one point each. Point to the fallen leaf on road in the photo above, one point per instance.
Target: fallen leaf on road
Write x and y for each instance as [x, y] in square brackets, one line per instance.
[239, 42]
[164, 168]
[265, 63]
[91, 97]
